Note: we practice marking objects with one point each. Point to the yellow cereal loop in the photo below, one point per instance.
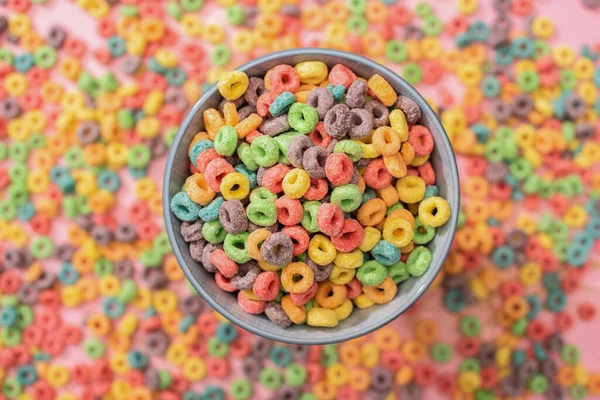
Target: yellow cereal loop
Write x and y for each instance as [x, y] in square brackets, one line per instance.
[312, 72]
[383, 90]
[322, 317]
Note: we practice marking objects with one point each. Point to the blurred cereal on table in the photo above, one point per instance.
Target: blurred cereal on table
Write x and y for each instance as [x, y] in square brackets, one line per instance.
[93, 304]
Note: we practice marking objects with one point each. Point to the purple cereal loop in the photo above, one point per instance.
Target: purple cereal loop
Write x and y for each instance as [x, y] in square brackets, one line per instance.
[321, 272]
[197, 249]
[332, 144]
[277, 249]
[355, 175]
[299, 351]
[275, 126]
[125, 233]
[245, 112]
[251, 368]
[362, 163]
[151, 377]
[261, 348]
[10, 108]
[382, 379]
[380, 113]
[501, 111]
[45, 281]
[337, 121]
[286, 392]
[84, 222]
[64, 252]
[256, 87]
[56, 37]
[28, 294]
[175, 97]
[14, 258]
[322, 100]
[233, 216]
[192, 305]
[574, 106]
[123, 269]
[296, 149]
[246, 275]
[88, 132]
[522, 105]
[361, 123]
[410, 109]
[158, 148]
[502, 6]
[314, 160]
[156, 278]
[101, 235]
[413, 32]
[290, 10]
[271, 228]
[238, 103]
[274, 311]
[191, 231]
[355, 96]
[496, 172]
[260, 174]
[585, 131]
[131, 64]
[157, 342]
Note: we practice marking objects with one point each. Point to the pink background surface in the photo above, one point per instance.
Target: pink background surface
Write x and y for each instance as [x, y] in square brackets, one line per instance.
[574, 26]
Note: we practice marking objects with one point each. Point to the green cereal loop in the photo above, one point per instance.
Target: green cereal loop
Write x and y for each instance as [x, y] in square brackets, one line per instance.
[398, 272]
[226, 141]
[504, 132]
[302, 117]
[18, 193]
[441, 352]
[128, 291]
[568, 131]
[82, 205]
[470, 325]
[12, 388]
[192, 5]
[262, 212]
[295, 375]
[329, 355]
[419, 261]
[538, 384]
[74, 158]
[509, 148]
[220, 55]
[25, 316]
[18, 151]
[270, 378]
[432, 26]
[351, 148]
[139, 156]
[307, 396]
[174, 10]
[560, 250]
[519, 328]
[357, 6]
[235, 247]
[41, 247]
[93, 348]
[151, 258]
[283, 141]
[262, 193]
[577, 392]
[8, 210]
[371, 273]
[470, 365]
[125, 119]
[164, 379]
[213, 231]
[9, 300]
[484, 394]
[265, 151]
[236, 14]
[10, 336]
[395, 51]
[569, 354]
[348, 197]
[423, 10]
[423, 234]
[3, 151]
[412, 73]
[309, 219]
[357, 24]
[69, 207]
[37, 141]
[493, 151]
[128, 11]
[216, 348]
[528, 81]
[45, 57]
[103, 267]
[391, 209]
[568, 79]
[161, 243]
[6, 56]
[520, 168]
[245, 154]
[240, 389]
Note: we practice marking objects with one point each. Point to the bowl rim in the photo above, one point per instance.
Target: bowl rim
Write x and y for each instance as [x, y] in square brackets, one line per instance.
[446, 146]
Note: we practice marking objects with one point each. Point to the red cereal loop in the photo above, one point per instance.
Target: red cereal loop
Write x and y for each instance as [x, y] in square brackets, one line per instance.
[317, 190]
[446, 384]
[350, 236]
[215, 171]
[319, 136]
[289, 211]
[537, 330]
[250, 306]
[226, 266]
[273, 178]
[10, 281]
[353, 289]
[467, 346]
[224, 283]
[376, 175]
[301, 299]
[207, 322]
[586, 311]
[266, 285]
[339, 169]
[205, 158]
[341, 75]
[264, 102]
[424, 374]
[314, 372]
[391, 360]
[489, 377]
[300, 238]
[217, 367]
[239, 348]
[421, 140]
[427, 173]
[330, 219]
[563, 321]
[511, 288]
[283, 78]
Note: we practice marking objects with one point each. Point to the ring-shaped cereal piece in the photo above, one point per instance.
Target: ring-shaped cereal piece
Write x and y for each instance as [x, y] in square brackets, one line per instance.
[321, 250]
[371, 212]
[382, 293]
[330, 219]
[330, 295]
[434, 211]
[386, 141]
[296, 313]
[297, 277]
[398, 232]
[255, 240]
[235, 186]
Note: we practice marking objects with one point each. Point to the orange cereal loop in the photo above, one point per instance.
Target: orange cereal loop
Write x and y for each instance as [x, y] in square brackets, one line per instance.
[382, 293]
[385, 139]
[376, 11]
[374, 46]
[413, 351]
[297, 314]
[516, 307]
[330, 295]
[198, 190]
[389, 195]
[372, 212]
[297, 277]
[349, 354]
[387, 339]
[172, 269]
[408, 153]
[359, 378]
[255, 239]
[427, 331]
[336, 11]
[396, 165]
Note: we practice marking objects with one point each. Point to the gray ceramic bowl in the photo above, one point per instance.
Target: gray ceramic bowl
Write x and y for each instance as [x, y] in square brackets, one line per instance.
[361, 322]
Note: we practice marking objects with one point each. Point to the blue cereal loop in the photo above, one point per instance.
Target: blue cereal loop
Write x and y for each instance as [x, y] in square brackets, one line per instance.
[198, 148]
[386, 253]
[282, 104]
[210, 212]
[26, 211]
[68, 275]
[337, 91]
[184, 208]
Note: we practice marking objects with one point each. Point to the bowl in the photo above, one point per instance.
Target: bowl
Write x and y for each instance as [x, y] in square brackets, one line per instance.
[361, 321]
